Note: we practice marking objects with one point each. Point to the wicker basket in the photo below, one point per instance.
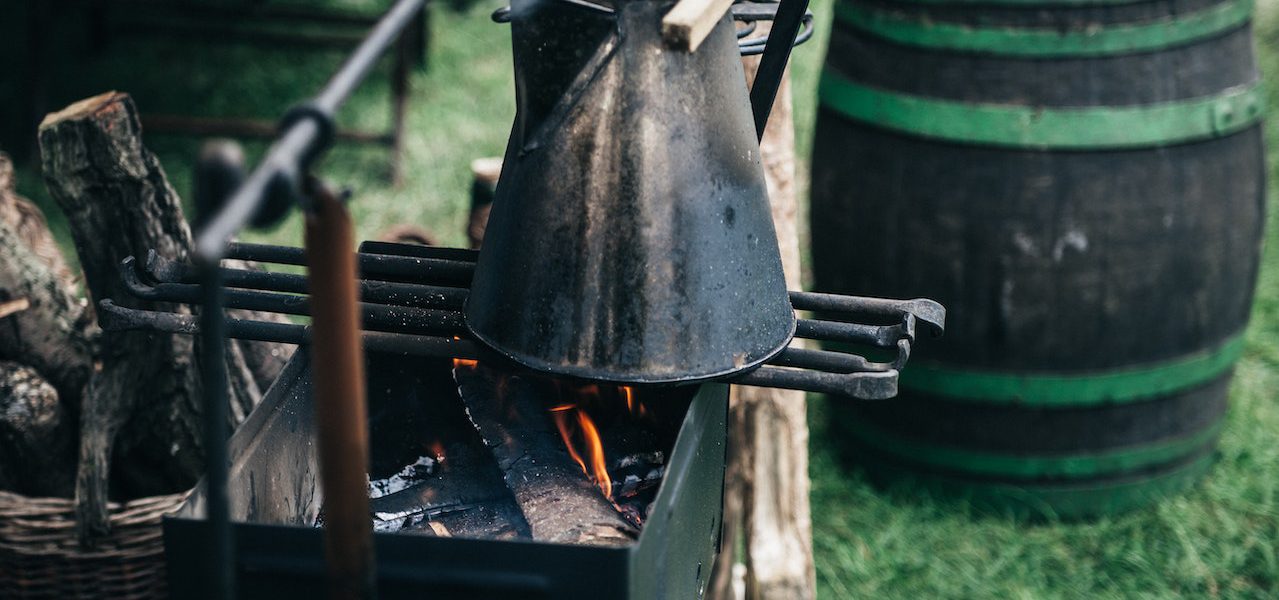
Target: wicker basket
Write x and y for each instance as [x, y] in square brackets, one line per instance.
[40, 556]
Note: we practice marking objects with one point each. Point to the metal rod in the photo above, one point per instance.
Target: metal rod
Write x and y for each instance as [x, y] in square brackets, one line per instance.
[430, 265]
[772, 65]
[375, 317]
[338, 390]
[371, 290]
[927, 311]
[864, 386]
[796, 375]
[825, 360]
[221, 553]
[884, 336]
[456, 258]
[117, 318]
[304, 139]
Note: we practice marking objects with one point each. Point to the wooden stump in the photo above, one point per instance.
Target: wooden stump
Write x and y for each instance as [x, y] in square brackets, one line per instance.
[142, 411]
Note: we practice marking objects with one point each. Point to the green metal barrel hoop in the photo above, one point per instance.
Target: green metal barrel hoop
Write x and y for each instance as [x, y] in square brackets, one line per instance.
[1058, 501]
[1084, 464]
[1104, 40]
[1040, 390]
[1046, 127]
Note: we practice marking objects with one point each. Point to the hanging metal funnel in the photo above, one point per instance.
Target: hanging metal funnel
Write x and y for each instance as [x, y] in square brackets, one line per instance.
[630, 238]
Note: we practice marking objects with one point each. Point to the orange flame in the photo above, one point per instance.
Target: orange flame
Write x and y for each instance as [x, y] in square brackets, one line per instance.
[464, 362]
[561, 423]
[633, 406]
[597, 470]
[595, 448]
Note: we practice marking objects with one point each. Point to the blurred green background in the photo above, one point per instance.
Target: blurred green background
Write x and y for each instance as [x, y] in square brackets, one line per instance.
[1221, 540]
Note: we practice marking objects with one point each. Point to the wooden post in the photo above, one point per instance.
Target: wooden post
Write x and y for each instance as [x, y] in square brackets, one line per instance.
[766, 489]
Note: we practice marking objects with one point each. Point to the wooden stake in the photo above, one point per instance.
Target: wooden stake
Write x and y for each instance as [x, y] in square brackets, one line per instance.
[338, 390]
[766, 483]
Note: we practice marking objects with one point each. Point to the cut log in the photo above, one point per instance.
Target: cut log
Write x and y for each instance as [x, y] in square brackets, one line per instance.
[37, 436]
[52, 333]
[29, 223]
[766, 478]
[143, 410]
[559, 504]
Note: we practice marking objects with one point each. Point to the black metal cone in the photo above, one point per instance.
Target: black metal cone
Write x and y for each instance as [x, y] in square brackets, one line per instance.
[631, 238]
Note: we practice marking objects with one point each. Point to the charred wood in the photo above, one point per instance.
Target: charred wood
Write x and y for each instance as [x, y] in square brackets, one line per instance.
[558, 503]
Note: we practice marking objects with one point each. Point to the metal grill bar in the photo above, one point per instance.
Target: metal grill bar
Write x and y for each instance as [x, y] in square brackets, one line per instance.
[424, 319]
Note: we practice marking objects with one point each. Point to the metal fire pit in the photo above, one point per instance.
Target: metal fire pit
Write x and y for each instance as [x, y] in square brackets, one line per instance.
[275, 499]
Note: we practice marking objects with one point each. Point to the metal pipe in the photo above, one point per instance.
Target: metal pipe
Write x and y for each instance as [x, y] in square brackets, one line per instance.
[772, 64]
[213, 377]
[883, 336]
[379, 292]
[377, 317]
[303, 139]
[114, 317]
[925, 310]
[864, 386]
[792, 371]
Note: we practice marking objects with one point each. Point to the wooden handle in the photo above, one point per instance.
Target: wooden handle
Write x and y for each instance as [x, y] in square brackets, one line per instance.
[337, 376]
[688, 23]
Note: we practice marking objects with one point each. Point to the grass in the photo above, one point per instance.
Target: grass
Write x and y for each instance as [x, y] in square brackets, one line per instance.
[1221, 540]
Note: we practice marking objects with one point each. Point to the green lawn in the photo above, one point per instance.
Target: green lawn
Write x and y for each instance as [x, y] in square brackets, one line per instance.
[1219, 540]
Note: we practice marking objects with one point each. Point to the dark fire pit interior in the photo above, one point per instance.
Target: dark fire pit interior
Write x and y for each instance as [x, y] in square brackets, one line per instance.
[447, 526]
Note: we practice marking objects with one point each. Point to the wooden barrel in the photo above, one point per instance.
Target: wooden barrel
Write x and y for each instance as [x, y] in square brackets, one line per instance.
[1081, 183]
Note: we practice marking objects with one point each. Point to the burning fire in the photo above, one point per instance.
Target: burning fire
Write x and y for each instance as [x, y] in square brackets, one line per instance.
[578, 430]
[597, 470]
[464, 362]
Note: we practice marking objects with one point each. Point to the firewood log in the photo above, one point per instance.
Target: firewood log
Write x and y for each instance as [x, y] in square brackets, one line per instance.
[29, 223]
[143, 410]
[558, 502]
[45, 326]
[766, 478]
[37, 435]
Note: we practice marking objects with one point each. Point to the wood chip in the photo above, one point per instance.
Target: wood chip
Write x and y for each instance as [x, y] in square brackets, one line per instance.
[14, 307]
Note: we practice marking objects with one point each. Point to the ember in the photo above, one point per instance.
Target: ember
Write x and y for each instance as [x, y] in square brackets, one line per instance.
[574, 463]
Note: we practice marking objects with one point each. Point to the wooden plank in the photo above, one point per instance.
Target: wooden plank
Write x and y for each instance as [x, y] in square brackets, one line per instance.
[688, 23]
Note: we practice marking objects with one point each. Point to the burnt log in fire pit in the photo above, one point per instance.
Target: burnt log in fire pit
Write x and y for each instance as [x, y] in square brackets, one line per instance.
[453, 534]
